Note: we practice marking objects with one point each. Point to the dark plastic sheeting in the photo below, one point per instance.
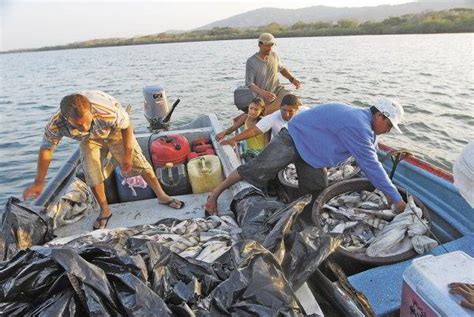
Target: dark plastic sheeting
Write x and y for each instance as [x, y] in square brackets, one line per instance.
[23, 225]
[128, 276]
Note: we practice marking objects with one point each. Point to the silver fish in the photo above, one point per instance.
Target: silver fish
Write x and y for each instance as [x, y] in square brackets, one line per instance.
[385, 214]
[214, 255]
[375, 222]
[341, 227]
[191, 252]
[207, 250]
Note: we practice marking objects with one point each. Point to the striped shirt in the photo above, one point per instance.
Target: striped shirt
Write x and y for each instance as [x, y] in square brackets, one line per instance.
[108, 117]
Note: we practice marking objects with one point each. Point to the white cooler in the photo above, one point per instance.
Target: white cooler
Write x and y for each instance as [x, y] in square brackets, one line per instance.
[425, 289]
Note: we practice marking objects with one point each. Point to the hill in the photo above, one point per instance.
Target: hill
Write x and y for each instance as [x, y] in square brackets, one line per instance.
[448, 21]
[265, 16]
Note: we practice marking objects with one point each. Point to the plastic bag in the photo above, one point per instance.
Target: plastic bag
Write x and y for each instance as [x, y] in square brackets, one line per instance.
[298, 247]
[252, 209]
[73, 204]
[23, 225]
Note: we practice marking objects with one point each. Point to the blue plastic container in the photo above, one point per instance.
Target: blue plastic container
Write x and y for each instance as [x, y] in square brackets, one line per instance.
[126, 194]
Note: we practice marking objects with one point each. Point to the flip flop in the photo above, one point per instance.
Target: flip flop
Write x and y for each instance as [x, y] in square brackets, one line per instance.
[173, 200]
[99, 219]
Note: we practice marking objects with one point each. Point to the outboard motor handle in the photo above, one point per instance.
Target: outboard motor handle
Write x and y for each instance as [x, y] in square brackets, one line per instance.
[168, 116]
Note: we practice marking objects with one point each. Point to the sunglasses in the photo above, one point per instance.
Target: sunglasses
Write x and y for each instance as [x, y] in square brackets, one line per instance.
[261, 43]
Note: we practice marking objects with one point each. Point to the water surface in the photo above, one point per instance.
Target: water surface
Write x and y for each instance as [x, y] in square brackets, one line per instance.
[431, 75]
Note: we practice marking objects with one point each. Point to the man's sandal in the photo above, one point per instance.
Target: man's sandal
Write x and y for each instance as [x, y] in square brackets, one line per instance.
[99, 219]
[175, 201]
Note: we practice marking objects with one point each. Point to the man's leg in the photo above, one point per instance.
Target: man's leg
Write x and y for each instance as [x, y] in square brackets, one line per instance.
[211, 205]
[310, 181]
[275, 104]
[93, 153]
[140, 166]
[99, 194]
[265, 166]
[149, 176]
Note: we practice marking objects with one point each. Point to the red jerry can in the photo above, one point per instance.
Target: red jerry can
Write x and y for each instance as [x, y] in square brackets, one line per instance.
[202, 148]
[200, 141]
[169, 149]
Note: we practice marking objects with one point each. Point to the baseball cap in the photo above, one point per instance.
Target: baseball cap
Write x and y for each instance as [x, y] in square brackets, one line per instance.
[266, 38]
[392, 110]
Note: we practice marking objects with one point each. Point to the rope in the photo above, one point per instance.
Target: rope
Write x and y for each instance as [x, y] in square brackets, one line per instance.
[428, 228]
[396, 156]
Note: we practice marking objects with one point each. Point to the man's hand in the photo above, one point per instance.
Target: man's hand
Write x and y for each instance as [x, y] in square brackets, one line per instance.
[466, 290]
[32, 191]
[268, 96]
[220, 135]
[127, 163]
[296, 83]
[230, 142]
[400, 206]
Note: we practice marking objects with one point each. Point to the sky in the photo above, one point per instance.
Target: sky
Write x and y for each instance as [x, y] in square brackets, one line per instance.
[38, 23]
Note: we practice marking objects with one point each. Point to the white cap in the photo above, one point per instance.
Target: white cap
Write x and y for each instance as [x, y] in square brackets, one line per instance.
[266, 38]
[463, 172]
[392, 110]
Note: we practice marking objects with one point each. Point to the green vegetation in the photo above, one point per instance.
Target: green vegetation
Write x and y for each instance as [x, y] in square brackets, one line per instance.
[448, 21]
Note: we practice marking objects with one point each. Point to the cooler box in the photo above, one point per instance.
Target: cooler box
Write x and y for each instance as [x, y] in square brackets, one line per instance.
[425, 289]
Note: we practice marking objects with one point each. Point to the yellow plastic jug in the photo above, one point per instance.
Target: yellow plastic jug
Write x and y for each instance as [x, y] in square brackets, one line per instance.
[205, 173]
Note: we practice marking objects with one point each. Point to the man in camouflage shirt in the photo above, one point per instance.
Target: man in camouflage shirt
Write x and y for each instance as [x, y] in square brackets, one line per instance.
[102, 126]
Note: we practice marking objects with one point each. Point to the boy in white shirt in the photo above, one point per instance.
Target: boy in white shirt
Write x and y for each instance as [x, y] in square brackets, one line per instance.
[290, 105]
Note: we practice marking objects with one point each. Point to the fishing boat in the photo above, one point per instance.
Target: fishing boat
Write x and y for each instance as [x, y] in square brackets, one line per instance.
[452, 219]
[377, 290]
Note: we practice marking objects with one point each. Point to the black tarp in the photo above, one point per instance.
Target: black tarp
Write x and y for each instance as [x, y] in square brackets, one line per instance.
[128, 275]
[23, 225]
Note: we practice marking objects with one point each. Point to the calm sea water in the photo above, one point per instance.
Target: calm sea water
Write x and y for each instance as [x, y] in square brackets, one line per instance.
[431, 75]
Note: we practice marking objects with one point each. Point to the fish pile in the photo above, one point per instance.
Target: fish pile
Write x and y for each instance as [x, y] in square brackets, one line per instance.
[73, 203]
[369, 226]
[335, 174]
[202, 239]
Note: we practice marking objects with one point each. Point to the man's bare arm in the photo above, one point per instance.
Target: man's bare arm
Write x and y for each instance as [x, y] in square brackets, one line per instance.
[44, 159]
[127, 139]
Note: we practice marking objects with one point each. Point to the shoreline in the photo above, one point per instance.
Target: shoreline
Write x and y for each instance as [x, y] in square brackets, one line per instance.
[253, 36]
[453, 21]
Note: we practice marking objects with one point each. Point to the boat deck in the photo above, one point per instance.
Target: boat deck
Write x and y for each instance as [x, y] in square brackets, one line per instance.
[148, 211]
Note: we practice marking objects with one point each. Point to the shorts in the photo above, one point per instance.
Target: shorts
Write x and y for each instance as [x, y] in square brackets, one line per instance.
[101, 156]
[273, 106]
[280, 152]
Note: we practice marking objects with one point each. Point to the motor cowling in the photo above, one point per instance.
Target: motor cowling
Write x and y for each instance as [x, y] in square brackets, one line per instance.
[156, 106]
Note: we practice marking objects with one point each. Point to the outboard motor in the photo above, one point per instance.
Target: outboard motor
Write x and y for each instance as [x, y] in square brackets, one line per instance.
[157, 110]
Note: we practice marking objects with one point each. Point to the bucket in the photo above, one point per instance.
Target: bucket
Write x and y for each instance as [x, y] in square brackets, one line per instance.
[205, 173]
[292, 187]
[347, 258]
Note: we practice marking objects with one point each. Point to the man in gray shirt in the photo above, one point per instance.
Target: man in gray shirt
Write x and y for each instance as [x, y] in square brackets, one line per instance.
[261, 74]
